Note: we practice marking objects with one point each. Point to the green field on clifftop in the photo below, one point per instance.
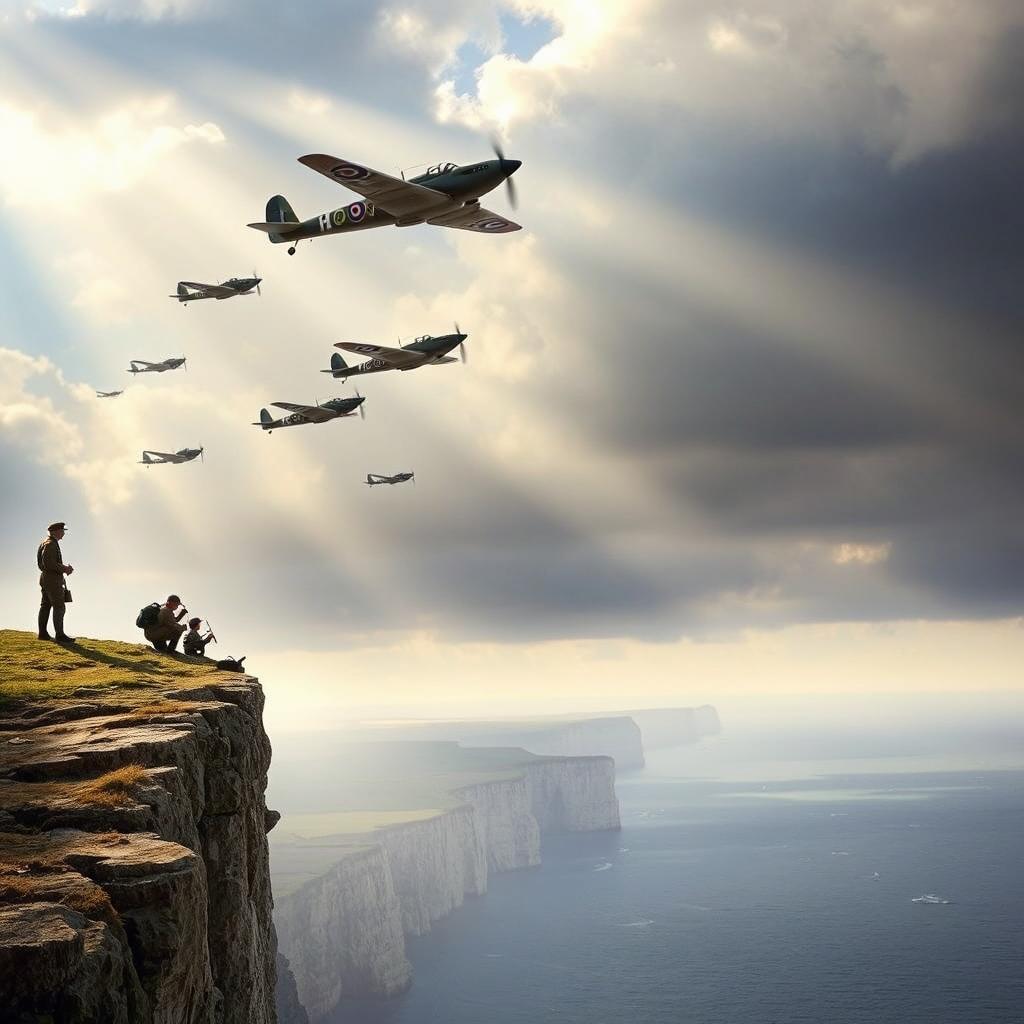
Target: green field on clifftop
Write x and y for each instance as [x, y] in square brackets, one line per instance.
[34, 670]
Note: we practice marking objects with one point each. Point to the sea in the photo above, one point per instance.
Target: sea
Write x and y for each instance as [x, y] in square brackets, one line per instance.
[809, 878]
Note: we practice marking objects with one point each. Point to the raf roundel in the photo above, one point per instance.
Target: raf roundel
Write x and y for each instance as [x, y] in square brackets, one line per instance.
[493, 224]
[349, 172]
[356, 212]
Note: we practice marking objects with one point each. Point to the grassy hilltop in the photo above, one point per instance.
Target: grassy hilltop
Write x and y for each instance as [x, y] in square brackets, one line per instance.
[34, 670]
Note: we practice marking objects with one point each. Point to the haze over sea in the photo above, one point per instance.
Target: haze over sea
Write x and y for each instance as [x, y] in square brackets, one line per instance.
[760, 877]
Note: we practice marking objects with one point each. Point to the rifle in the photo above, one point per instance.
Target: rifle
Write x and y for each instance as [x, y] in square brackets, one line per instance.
[209, 629]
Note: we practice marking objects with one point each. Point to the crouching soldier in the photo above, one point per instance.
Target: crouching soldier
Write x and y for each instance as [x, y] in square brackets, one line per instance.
[194, 644]
[165, 633]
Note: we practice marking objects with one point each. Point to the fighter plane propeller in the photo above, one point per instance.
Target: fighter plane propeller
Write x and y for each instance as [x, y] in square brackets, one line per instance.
[151, 458]
[141, 366]
[421, 352]
[373, 479]
[191, 291]
[446, 195]
[510, 185]
[108, 394]
[321, 412]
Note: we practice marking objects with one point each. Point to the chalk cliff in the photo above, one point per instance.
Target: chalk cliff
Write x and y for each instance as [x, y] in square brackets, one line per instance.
[134, 875]
[342, 932]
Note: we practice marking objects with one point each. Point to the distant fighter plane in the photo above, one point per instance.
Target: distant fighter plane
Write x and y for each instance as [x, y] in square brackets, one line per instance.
[150, 458]
[420, 352]
[108, 394]
[372, 479]
[141, 366]
[446, 195]
[333, 409]
[190, 291]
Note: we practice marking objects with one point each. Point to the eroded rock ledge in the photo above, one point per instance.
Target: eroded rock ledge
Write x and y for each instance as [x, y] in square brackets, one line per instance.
[134, 878]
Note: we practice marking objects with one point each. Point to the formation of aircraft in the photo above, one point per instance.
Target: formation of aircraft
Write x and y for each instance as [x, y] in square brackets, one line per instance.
[141, 366]
[151, 458]
[421, 352]
[447, 195]
[321, 412]
[191, 291]
[372, 479]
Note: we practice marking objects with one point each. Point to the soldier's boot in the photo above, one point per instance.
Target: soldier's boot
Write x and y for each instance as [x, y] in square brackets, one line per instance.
[58, 627]
[44, 619]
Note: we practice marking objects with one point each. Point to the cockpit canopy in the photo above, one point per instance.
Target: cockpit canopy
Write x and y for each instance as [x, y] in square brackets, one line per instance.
[440, 169]
[424, 337]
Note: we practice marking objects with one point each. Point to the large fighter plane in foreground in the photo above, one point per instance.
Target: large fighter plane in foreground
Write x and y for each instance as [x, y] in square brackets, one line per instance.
[447, 195]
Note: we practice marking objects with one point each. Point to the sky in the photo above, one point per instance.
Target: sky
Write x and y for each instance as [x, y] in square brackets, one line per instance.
[742, 406]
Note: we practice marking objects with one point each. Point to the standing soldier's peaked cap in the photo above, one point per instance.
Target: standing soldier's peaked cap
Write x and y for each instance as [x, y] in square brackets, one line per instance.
[56, 526]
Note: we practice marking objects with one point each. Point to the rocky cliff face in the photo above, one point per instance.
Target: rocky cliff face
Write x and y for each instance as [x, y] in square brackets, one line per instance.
[134, 876]
[573, 794]
[343, 931]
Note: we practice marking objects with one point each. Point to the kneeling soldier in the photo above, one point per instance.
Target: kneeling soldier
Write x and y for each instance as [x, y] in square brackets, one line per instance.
[194, 644]
[168, 629]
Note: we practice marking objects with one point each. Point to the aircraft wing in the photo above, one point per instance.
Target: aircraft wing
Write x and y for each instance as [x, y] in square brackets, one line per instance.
[209, 291]
[393, 195]
[475, 218]
[140, 362]
[400, 358]
[313, 413]
[166, 456]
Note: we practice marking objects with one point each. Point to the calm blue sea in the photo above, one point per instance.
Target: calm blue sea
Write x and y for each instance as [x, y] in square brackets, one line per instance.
[796, 886]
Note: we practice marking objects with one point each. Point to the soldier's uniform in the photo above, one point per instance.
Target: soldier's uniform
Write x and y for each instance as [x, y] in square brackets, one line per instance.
[167, 629]
[194, 644]
[51, 583]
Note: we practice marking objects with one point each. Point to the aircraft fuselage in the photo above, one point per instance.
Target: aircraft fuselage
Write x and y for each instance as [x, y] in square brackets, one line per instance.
[464, 184]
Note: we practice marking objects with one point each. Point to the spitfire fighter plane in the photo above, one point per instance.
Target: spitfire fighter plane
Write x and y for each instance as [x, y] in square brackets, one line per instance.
[150, 458]
[141, 366]
[372, 479]
[446, 195]
[332, 409]
[420, 352]
[108, 394]
[190, 291]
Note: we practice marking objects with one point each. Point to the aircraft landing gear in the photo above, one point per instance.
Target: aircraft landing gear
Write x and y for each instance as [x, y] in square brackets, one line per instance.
[291, 250]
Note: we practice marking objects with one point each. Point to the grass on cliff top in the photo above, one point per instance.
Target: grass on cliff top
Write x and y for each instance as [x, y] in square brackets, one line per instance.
[38, 670]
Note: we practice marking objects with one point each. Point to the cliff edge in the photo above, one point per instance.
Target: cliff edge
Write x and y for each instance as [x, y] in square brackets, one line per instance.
[134, 874]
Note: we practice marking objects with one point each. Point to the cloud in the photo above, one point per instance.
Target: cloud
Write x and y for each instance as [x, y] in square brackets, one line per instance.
[755, 360]
[60, 159]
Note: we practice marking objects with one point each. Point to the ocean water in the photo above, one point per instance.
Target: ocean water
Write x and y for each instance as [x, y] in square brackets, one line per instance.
[798, 885]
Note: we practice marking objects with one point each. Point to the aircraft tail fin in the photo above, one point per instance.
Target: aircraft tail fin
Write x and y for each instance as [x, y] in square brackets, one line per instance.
[266, 420]
[146, 459]
[281, 219]
[338, 365]
[279, 211]
[369, 480]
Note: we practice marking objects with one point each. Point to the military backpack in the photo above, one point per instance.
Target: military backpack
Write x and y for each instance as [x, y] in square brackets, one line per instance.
[148, 616]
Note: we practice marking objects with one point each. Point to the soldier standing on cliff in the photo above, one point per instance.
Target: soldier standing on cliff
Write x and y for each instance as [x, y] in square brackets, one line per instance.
[51, 582]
